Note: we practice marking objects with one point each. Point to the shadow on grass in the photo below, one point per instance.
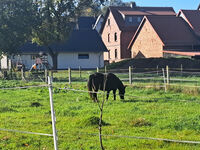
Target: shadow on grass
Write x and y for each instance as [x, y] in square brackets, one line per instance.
[144, 101]
[160, 100]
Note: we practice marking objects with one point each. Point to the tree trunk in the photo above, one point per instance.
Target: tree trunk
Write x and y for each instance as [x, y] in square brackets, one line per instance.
[54, 57]
[55, 61]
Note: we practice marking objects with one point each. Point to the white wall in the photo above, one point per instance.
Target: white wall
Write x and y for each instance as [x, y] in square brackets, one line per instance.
[4, 62]
[66, 60]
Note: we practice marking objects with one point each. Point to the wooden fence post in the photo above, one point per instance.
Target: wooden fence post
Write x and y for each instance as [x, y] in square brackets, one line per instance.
[70, 75]
[181, 69]
[52, 74]
[80, 71]
[22, 73]
[164, 80]
[130, 75]
[105, 69]
[46, 75]
[157, 69]
[167, 70]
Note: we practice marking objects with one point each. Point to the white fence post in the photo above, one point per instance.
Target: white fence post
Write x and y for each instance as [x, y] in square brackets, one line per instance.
[80, 71]
[53, 117]
[70, 75]
[167, 70]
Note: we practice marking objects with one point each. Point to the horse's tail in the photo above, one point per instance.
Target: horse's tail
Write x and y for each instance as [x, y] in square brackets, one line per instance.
[89, 85]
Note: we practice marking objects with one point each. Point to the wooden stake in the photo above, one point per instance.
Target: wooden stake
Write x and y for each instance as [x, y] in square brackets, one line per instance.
[130, 75]
[164, 80]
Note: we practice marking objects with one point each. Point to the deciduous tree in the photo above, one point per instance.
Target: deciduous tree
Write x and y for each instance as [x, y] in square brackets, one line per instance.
[17, 19]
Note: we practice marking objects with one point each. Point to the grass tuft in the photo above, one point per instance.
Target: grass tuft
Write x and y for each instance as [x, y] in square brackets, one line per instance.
[140, 122]
[92, 121]
[6, 109]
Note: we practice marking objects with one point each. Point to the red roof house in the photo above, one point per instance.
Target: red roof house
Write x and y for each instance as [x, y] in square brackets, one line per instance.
[192, 17]
[120, 25]
[159, 35]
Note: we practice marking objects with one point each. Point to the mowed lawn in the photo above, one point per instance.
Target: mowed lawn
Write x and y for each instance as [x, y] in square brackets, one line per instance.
[144, 113]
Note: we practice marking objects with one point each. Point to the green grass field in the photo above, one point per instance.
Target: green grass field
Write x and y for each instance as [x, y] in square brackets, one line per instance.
[144, 113]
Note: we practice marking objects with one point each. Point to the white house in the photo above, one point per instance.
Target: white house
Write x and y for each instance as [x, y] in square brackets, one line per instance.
[83, 49]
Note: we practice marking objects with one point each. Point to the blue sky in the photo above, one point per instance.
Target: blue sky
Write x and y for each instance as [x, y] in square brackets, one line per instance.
[176, 4]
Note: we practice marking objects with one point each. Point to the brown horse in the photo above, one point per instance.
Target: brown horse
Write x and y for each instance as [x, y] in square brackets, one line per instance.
[105, 82]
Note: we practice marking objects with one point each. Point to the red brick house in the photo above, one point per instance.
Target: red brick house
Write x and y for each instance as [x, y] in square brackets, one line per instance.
[192, 17]
[120, 25]
[159, 36]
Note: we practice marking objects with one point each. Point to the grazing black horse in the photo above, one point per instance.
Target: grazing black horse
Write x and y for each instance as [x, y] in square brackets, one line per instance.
[107, 82]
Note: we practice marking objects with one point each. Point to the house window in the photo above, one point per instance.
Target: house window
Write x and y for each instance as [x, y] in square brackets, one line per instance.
[130, 19]
[115, 53]
[115, 36]
[83, 56]
[108, 22]
[139, 19]
[108, 37]
[108, 54]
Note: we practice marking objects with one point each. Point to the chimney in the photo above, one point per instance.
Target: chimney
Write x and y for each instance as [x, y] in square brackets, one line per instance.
[132, 4]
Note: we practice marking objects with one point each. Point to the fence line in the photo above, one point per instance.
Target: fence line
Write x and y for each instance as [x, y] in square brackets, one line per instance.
[26, 132]
[129, 96]
[76, 90]
[185, 72]
[145, 138]
[24, 87]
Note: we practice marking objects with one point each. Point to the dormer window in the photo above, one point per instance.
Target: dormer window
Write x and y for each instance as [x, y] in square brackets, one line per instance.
[115, 53]
[108, 37]
[108, 22]
[108, 54]
[115, 36]
[130, 19]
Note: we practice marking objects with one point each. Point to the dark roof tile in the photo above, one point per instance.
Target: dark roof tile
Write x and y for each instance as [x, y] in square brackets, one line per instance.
[30, 47]
[172, 30]
[193, 19]
[85, 22]
[81, 41]
[137, 11]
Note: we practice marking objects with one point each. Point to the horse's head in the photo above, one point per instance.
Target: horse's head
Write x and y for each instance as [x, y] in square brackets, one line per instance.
[122, 92]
